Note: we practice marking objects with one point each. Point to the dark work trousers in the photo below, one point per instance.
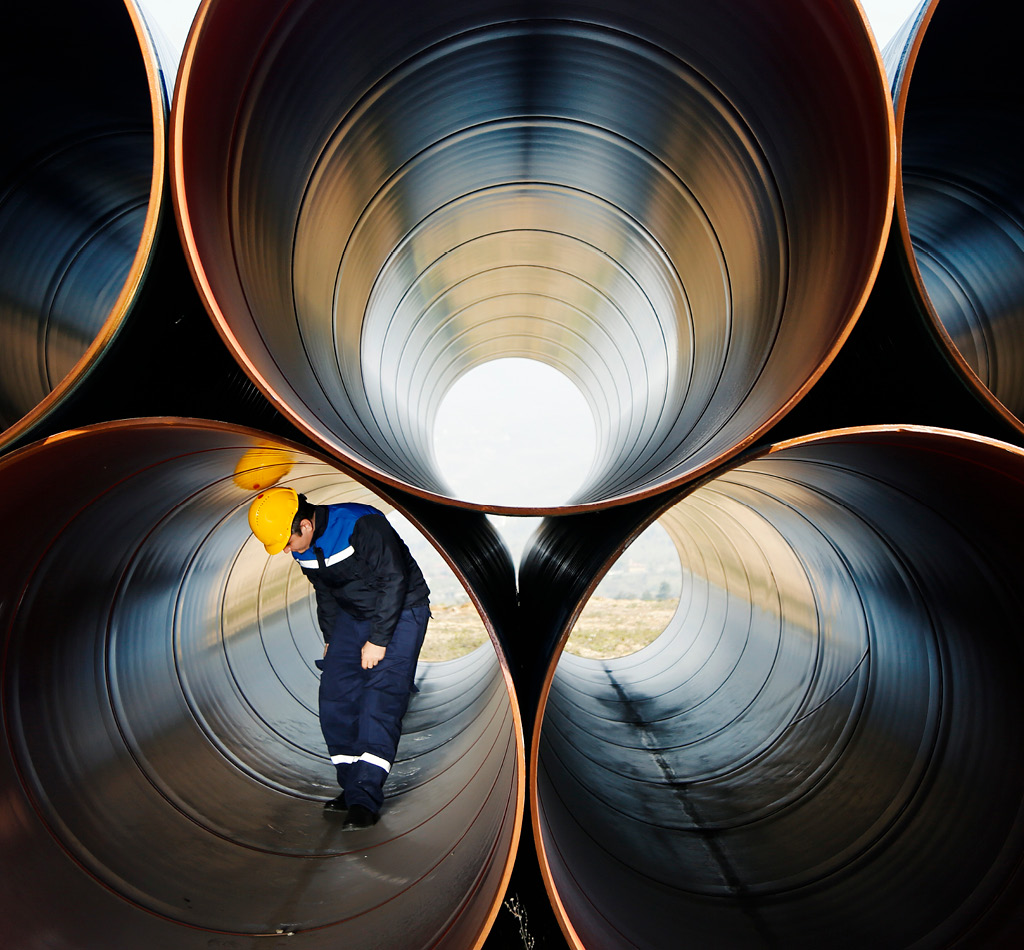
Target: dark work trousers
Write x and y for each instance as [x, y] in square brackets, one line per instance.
[361, 710]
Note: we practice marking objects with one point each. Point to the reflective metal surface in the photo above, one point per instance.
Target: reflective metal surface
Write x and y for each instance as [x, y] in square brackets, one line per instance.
[99, 318]
[162, 772]
[81, 186]
[960, 204]
[822, 748]
[680, 206]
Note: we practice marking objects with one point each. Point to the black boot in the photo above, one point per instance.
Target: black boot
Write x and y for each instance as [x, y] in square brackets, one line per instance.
[359, 816]
[336, 805]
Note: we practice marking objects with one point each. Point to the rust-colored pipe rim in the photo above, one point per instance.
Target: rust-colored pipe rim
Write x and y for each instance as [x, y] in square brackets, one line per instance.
[90, 360]
[990, 463]
[204, 471]
[904, 55]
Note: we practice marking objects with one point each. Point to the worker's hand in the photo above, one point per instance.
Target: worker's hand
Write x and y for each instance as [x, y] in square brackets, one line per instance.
[326, 645]
[372, 655]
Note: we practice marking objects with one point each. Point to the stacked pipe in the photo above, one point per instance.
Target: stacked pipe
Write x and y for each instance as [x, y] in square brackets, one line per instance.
[685, 208]
[820, 749]
[98, 314]
[164, 773]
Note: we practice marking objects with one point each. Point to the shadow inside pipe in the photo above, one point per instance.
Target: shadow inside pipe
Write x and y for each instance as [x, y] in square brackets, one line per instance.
[164, 762]
[817, 751]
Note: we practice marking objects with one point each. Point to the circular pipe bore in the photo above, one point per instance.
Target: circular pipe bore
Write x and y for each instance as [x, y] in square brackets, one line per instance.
[821, 748]
[959, 202]
[679, 206]
[162, 774]
[82, 183]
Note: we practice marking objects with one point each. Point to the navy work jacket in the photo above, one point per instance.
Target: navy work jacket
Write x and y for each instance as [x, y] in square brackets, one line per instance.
[358, 563]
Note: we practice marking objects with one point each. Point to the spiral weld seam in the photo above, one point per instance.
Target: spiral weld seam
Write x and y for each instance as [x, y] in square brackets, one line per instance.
[959, 210]
[830, 657]
[170, 768]
[808, 737]
[484, 184]
[109, 162]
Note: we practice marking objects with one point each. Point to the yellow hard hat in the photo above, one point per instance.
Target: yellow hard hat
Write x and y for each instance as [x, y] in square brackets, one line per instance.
[270, 517]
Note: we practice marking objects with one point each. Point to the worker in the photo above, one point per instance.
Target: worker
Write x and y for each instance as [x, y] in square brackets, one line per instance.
[372, 607]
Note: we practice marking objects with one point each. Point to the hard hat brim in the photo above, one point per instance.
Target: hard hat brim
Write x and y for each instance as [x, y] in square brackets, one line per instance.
[276, 547]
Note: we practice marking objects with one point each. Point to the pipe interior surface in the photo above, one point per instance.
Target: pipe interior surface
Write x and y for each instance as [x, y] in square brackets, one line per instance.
[163, 769]
[961, 205]
[821, 748]
[82, 175]
[679, 206]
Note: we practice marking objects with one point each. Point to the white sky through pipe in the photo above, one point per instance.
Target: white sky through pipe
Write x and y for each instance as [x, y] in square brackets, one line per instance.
[531, 435]
[175, 17]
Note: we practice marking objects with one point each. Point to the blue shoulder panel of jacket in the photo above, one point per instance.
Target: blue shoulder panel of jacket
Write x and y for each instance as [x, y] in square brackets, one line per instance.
[334, 542]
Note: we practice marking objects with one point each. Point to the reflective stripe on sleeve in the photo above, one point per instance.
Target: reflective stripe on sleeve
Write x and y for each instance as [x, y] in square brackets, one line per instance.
[333, 559]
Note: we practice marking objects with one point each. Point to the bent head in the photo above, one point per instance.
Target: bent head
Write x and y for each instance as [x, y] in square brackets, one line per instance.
[301, 539]
[282, 520]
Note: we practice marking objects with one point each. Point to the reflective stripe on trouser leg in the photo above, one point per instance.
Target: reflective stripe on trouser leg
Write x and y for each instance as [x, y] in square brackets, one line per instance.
[385, 697]
[365, 757]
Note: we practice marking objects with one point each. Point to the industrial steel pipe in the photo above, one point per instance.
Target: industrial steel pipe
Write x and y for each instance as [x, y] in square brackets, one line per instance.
[959, 200]
[82, 184]
[822, 749]
[99, 317]
[680, 206]
[162, 772]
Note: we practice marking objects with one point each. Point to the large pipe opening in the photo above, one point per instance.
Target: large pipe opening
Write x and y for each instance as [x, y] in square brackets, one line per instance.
[82, 182]
[822, 749]
[163, 770]
[960, 207]
[678, 206]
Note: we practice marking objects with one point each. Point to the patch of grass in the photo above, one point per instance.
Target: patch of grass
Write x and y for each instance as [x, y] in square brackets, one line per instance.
[610, 628]
[607, 628]
[454, 630]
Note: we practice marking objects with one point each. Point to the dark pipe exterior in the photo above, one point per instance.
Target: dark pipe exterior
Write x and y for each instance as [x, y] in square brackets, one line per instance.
[162, 771]
[680, 206]
[820, 750]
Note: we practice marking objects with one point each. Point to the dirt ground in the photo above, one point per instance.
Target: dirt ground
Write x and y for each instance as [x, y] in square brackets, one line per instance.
[606, 628]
